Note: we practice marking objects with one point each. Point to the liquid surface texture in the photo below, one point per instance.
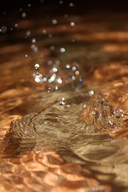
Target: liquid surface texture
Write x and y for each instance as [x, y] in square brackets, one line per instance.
[64, 99]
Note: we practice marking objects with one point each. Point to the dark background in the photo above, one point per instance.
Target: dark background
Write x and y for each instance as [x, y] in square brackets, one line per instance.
[81, 5]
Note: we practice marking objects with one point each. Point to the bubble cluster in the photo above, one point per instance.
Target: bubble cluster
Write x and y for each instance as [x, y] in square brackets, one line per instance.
[58, 75]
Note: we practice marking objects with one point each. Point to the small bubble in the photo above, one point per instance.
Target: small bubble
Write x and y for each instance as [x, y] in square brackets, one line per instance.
[23, 14]
[44, 31]
[33, 40]
[71, 4]
[52, 48]
[37, 66]
[54, 21]
[11, 28]
[72, 24]
[3, 29]
[16, 25]
[62, 50]
[26, 55]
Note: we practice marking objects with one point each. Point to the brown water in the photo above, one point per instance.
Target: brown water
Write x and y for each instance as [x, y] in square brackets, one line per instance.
[63, 100]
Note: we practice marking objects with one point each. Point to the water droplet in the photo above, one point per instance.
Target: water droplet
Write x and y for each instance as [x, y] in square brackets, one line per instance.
[73, 78]
[49, 62]
[59, 80]
[91, 92]
[35, 48]
[28, 33]
[16, 25]
[74, 68]
[55, 69]
[68, 66]
[50, 35]
[60, 2]
[33, 40]
[84, 106]
[71, 4]
[54, 21]
[62, 102]
[37, 66]
[77, 72]
[44, 79]
[52, 48]
[3, 29]
[23, 14]
[52, 78]
[29, 5]
[72, 24]
[62, 50]
[44, 31]
[66, 16]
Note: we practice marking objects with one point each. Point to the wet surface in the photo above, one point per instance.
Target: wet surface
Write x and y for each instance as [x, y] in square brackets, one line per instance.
[63, 101]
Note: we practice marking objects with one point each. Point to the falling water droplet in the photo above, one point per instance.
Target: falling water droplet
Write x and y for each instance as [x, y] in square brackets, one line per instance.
[62, 50]
[23, 14]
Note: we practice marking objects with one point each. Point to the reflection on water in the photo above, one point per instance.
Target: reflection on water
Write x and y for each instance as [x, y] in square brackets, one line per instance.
[63, 101]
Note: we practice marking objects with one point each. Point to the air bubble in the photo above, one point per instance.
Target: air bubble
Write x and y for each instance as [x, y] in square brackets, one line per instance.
[62, 50]
[3, 29]
[26, 55]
